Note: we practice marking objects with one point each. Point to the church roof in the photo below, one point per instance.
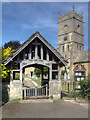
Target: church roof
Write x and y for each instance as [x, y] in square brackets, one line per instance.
[30, 39]
[83, 57]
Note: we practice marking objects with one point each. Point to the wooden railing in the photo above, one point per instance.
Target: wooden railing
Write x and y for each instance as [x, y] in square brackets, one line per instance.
[35, 92]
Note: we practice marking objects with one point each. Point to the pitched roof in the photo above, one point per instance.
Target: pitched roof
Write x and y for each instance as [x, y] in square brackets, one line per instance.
[30, 39]
[82, 57]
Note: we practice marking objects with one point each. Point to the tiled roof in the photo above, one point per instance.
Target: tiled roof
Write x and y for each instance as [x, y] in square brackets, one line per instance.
[83, 56]
[27, 41]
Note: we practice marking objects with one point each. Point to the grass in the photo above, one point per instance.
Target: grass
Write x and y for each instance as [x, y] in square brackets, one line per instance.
[16, 99]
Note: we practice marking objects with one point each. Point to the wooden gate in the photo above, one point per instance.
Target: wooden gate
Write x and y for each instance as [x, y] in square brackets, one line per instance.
[36, 92]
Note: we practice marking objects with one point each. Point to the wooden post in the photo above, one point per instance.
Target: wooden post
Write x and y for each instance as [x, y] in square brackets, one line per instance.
[21, 72]
[24, 92]
[47, 54]
[11, 73]
[58, 72]
[41, 52]
[36, 50]
[36, 92]
[30, 52]
[50, 72]
[24, 55]
[68, 87]
[46, 90]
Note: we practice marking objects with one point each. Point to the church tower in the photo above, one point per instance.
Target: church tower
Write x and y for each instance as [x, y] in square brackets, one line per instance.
[70, 36]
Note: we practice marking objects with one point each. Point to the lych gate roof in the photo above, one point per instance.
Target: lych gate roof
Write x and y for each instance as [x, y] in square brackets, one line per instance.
[30, 39]
[82, 56]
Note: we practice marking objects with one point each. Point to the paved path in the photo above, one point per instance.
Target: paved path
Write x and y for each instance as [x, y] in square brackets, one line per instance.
[28, 82]
[49, 109]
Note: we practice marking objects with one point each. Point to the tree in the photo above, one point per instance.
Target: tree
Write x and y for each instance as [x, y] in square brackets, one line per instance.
[6, 52]
[63, 72]
[45, 70]
[5, 70]
[12, 44]
[37, 71]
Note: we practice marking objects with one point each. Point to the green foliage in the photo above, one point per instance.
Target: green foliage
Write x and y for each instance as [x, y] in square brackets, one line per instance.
[37, 71]
[6, 52]
[45, 70]
[51, 97]
[85, 88]
[16, 99]
[63, 72]
[12, 44]
[17, 76]
[5, 70]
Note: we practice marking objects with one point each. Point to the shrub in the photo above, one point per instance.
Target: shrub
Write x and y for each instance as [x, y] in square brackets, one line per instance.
[85, 88]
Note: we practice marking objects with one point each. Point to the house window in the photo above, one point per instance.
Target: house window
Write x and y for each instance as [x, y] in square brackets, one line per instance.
[62, 48]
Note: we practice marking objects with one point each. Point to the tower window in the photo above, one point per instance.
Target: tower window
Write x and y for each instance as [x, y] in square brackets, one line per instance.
[68, 48]
[65, 29]
[62, 48]
[78, 28]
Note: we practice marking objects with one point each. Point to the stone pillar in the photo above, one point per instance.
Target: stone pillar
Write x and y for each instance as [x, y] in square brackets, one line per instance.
[55, 87]
[41, 52]
[16, 87]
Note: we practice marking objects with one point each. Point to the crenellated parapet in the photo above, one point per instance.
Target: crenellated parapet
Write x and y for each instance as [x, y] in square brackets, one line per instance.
[70, 15]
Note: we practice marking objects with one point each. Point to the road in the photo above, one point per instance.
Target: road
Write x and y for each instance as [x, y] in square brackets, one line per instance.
[59, 109]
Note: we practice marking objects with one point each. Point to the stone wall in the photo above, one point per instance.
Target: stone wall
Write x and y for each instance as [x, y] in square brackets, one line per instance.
[15, 89]
[55, 89]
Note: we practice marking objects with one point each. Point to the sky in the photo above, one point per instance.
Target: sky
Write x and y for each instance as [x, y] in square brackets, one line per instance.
[21, 19]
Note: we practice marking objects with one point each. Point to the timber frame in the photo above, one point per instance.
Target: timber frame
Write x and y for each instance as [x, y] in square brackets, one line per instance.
[37, 52]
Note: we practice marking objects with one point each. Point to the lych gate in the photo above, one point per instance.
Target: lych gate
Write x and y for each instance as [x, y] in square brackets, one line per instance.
[35, 52]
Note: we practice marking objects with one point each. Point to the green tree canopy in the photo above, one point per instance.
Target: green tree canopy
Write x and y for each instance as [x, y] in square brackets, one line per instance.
[37, 71]
[12, 44]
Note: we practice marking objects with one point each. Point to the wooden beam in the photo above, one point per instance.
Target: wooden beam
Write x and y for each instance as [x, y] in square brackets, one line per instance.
[58, 72]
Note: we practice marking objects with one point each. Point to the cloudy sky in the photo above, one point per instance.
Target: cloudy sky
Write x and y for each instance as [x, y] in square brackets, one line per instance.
[21, 19]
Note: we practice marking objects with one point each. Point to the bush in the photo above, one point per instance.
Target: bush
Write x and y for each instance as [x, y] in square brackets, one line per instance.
[63, 72]
[85, 88]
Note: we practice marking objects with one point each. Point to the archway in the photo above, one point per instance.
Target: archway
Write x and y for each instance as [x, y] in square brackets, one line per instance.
[38, 52]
